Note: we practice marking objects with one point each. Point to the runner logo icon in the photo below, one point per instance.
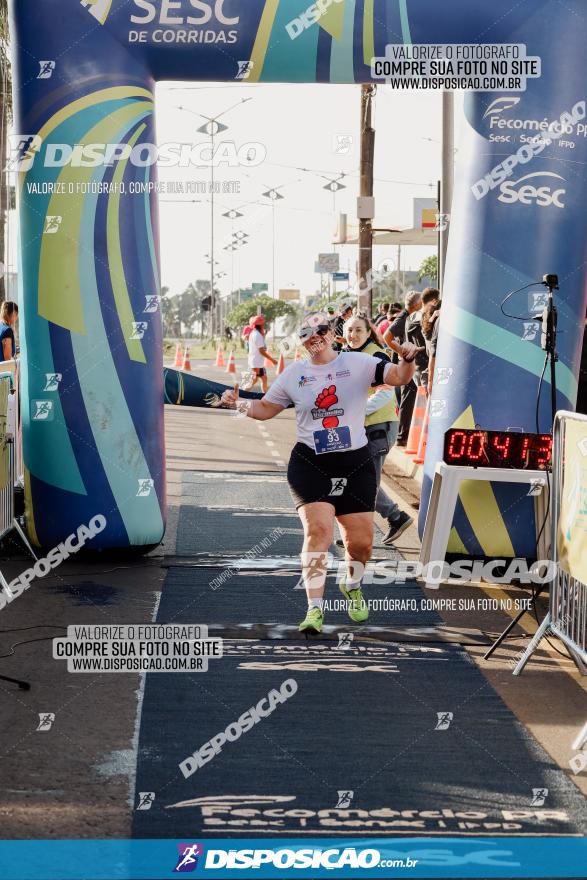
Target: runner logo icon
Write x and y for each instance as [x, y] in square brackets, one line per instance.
[338, 486]
[46, 720]
[539, 796]
[46, 69]
[444, 719]
[188, 857]
[244, 69]
[344, 799]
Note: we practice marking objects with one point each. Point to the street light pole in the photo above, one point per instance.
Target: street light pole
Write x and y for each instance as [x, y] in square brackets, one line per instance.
[446, 187]
[274, 195]
[273, 249]
[232, 215]
[213, 310]
[212, 128]
[366, 189]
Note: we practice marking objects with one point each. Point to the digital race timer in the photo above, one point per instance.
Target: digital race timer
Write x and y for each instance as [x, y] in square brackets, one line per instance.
[498, 449]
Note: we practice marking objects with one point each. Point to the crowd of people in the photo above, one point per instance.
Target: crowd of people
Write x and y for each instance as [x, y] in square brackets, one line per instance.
[353, 397]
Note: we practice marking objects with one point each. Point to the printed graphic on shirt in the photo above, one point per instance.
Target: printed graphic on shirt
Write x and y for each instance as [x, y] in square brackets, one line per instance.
[324, 403]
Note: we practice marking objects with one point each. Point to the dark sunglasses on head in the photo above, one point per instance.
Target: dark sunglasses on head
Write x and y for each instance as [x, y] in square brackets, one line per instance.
[307, 332]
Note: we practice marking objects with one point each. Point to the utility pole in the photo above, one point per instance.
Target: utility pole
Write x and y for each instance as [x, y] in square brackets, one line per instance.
[366, 190]
[446, 187]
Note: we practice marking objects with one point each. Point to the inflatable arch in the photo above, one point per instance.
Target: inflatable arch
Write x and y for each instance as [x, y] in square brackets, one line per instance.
[84, 73]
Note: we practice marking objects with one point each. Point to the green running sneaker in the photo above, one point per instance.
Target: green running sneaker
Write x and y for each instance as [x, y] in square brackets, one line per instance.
[313, 621]
[357, 607]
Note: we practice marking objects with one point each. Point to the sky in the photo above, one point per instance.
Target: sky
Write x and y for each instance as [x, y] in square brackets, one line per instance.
[297, 130]
[297, 127]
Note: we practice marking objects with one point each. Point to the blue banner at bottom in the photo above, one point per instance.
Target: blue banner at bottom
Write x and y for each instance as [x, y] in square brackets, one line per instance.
[416, 857]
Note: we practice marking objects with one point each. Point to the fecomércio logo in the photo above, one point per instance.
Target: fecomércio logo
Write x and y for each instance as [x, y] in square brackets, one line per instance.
[499, 105]
[98, 8]
[533, 189]
[188, 855]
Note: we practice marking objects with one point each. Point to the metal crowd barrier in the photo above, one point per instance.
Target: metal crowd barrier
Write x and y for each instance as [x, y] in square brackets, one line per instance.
[14, 427]
[10, 453]
[567, 615]
[6, 457]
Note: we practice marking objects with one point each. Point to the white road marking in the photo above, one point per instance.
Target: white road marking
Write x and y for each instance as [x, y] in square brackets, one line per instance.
[140, 692]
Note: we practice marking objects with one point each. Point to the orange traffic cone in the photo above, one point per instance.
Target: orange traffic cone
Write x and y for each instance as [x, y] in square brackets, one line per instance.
[178, 356]
[417, 422]
[280, 364]
[186, 360]
[231, 365]
[419, 459]
[220, 357]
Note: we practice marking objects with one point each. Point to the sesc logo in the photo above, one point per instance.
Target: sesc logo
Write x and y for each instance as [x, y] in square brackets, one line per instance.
[166, 13]
[524, 192]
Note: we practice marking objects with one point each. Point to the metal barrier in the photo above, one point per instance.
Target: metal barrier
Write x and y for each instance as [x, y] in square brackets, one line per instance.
[10, 454]
[14, 423]
[6, 460]
[567, 615]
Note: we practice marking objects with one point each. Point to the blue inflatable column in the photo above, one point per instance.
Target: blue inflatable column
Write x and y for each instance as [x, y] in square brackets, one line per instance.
[90, 324]
[518, 213]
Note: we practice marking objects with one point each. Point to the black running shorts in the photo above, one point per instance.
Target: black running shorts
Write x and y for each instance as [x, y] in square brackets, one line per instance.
[347, 480]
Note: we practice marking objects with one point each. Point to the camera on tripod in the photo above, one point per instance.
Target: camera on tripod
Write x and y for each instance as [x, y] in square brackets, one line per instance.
[549, 317]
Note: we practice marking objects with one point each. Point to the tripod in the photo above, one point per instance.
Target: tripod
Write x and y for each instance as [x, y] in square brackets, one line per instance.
[548, 344]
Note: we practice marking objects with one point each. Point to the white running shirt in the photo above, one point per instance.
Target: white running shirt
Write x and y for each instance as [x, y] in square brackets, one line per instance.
[256, 341]
[330, 400]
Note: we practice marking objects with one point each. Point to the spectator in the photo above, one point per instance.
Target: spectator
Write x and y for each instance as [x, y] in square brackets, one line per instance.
[247, 330]
[8, 318]
[380, 423]
[394, 310]
[397, 331]
[258, 353]
[382, 325]
[430, 294]
[430, 324]
[345, 311]
[416, 337]
[382, 310]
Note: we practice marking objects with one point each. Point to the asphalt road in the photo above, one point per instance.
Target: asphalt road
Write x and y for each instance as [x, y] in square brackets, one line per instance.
[116, 735]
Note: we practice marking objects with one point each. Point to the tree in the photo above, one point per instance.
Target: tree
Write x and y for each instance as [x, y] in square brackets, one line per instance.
[271, 309]
[385, 290]
[171, 325]
[429, 269]
[5, 119]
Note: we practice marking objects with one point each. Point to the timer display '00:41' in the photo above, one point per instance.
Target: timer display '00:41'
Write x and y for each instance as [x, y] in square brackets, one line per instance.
[498, 449]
